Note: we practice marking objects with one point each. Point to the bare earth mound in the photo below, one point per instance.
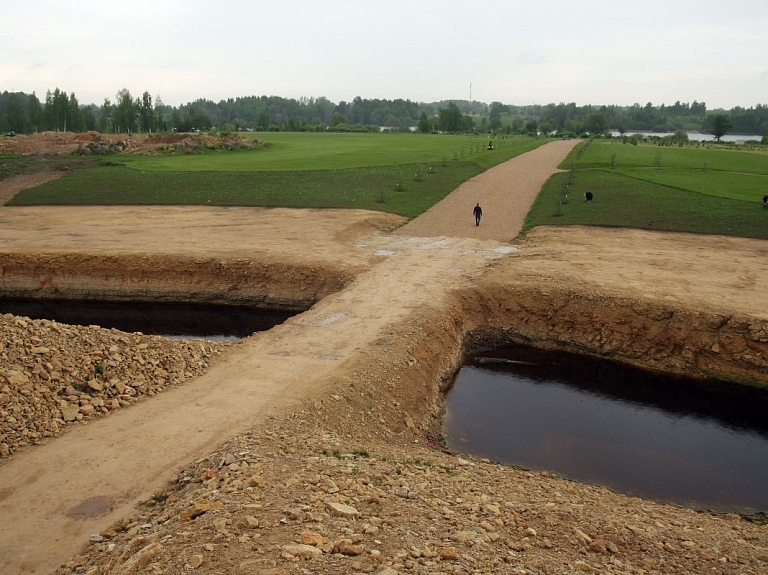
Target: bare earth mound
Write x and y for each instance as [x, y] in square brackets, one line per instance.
[310, 448]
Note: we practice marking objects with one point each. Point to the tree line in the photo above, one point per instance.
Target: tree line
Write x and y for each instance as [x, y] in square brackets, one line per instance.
[59, 111]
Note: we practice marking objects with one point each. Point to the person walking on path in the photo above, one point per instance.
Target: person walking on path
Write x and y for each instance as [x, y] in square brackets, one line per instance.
[478, 211]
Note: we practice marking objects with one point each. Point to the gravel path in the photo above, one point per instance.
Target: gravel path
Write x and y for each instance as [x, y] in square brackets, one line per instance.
[505, 192]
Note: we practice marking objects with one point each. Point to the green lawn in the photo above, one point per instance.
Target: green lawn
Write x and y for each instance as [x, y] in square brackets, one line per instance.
[699, 190]
[292, 151]
[675, 194]
[736, 186]
[400, 173]
[599, 155]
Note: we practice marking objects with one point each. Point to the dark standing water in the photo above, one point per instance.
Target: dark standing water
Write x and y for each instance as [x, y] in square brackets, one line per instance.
[657, 437]
[168, 319]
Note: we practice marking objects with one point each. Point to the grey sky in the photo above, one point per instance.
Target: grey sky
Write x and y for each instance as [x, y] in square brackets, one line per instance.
[515, 52]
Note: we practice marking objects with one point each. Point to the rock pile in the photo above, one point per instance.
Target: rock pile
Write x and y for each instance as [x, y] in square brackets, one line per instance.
[88, 143]
[53, 375]
[295, 499]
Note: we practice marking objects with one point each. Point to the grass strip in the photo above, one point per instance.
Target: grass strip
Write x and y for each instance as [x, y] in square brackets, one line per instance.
[407, 189]
[395, 189]
[622, 201]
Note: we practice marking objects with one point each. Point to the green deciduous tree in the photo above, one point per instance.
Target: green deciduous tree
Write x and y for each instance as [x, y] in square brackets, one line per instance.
[160, 123]
[55, 111]
[16, 115]
[106, 118]
[423, 124]
[264, 119]
[597, 123]
[450, 118]
[721, 125]
[494, 116]
[338, 118]
[125, 112]
[546, 128]
[74, 117]
[146, 119]
[88, 115]
[680, 137]
[34, 113]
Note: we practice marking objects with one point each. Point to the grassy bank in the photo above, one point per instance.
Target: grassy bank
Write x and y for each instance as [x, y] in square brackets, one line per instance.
[658, 188]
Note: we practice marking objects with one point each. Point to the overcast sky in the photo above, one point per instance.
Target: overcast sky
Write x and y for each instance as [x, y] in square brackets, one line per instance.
[516, 52]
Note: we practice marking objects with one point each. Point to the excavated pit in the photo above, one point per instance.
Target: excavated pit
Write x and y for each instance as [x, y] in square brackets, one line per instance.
[647, 334]
[167, 319]
[697, 443]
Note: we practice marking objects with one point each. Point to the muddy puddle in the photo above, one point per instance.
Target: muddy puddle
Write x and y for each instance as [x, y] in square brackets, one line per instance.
[216, 322]
[699, 444]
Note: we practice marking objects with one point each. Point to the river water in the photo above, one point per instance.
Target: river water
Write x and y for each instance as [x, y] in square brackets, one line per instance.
[663, 438]
[697, 136]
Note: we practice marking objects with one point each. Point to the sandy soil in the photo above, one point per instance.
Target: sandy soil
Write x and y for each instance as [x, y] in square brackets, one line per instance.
[113, 463]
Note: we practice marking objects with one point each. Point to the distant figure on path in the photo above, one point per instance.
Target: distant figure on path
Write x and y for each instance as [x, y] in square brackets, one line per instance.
[588, 197]
[478, 211]
[490, 145]
[765, 202]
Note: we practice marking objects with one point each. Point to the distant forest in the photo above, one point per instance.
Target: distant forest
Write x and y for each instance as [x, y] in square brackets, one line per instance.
[26, 113]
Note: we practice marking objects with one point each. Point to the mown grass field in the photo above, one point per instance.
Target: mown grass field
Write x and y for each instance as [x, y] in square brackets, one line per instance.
[293, 151]
[399, 173]
[698, 190]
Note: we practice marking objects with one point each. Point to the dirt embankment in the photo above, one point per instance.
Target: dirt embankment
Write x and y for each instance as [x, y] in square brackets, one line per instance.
[99, 277]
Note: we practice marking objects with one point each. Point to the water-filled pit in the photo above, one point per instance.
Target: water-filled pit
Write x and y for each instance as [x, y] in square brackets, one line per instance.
[216, 322]
[703, 444]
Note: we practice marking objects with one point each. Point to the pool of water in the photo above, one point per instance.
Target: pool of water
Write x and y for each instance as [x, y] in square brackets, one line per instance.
[217, 322]
[703, 444]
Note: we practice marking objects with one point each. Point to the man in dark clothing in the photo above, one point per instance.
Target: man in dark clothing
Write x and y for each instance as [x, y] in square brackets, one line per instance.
[478, 211]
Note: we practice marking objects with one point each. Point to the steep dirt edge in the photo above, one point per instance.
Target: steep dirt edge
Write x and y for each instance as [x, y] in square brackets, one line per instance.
[644, 333]
[267, 283]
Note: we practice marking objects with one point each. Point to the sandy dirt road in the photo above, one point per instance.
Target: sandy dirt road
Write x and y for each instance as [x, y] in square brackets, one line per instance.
[505, 193]
[54, 496]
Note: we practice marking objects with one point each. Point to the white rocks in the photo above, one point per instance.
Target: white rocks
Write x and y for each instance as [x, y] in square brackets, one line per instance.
[95, 385]
[69, 412]
[301, 550]
[341, 510]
